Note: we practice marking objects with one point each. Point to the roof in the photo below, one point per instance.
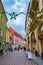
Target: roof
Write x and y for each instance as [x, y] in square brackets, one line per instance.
[15, 33]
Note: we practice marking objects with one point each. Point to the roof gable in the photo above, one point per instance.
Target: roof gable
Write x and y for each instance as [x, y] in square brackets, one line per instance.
[15, 33]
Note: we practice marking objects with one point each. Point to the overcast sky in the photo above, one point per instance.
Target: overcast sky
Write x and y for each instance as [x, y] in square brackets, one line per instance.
[17, 6]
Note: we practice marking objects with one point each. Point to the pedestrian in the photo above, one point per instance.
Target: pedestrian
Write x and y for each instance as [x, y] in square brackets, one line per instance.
[29, 55]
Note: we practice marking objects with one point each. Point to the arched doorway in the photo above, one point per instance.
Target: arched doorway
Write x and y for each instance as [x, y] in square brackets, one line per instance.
[28, 43]
[33, 42]
[41, 36]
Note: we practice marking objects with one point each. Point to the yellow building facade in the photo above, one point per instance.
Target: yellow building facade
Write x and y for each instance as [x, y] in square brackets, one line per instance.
[3, 21]
[8, 38]
[34, 26]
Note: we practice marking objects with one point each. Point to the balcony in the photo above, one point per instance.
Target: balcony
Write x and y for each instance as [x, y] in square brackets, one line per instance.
[34, 8]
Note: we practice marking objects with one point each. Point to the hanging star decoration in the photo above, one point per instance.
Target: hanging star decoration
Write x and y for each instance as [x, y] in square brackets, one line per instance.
[13, 15]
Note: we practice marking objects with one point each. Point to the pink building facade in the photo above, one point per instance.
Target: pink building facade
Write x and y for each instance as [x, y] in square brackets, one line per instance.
[16, 38]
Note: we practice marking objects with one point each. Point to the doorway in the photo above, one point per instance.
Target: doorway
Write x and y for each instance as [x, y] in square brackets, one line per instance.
[33, 42]
[41, 45]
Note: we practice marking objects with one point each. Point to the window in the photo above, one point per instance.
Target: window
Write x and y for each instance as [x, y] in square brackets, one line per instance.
[33, 37]
[0, 30]
[28, 38]
[41, 29]
[41, 32]
[1, 33]
[0, 44]
[42, 2]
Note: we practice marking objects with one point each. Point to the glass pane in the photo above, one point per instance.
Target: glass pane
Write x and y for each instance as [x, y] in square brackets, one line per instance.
[42, 28]
[0, 31]
[42, 2]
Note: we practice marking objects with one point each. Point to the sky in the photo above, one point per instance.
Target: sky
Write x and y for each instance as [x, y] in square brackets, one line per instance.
[16, 6]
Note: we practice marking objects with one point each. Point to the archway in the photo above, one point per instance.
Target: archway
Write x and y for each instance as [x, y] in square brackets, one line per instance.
[41, 36]
[33, 42]
[28, 43]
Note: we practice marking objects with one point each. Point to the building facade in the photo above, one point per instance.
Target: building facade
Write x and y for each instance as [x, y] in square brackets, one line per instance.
[3, 21]
[34, 26]
[8, 38]
[13, 38]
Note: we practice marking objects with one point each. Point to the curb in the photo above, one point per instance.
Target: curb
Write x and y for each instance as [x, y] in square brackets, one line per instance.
[4, 54]
[35, 61]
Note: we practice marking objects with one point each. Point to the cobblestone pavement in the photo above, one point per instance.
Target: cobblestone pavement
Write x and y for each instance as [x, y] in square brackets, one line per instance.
[16, 58]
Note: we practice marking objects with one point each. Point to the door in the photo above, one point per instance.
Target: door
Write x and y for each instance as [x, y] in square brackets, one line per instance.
[42, 45]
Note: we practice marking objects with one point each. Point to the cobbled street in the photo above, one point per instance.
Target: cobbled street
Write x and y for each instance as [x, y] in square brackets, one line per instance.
[16, 58]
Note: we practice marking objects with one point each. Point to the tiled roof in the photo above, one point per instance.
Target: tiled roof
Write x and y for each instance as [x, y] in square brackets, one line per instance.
[11, 30]
[14, 32]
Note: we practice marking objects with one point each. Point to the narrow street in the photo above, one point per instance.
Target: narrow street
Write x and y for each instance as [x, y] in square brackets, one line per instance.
[16, 58]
